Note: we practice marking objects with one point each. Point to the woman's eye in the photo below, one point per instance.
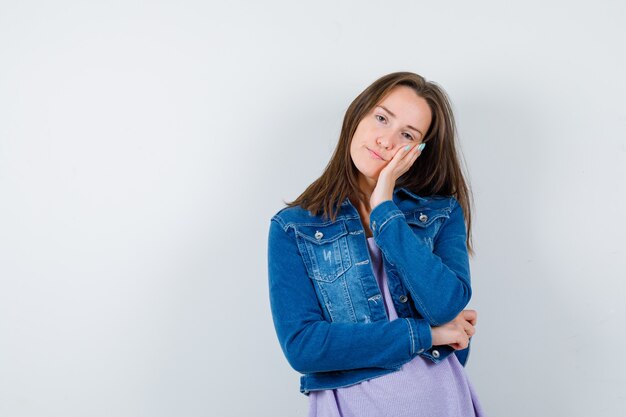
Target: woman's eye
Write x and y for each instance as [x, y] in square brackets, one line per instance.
[408, 136]
[380, 118]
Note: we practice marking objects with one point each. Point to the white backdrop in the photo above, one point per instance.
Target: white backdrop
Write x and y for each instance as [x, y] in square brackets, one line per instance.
[145, 145]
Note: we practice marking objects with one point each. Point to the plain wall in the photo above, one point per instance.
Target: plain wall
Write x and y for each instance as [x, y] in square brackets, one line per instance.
[144, 147]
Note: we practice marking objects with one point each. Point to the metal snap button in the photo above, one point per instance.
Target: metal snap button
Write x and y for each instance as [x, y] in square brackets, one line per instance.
[435, 353]
[319, 235]
[423, 218]
[403, 298]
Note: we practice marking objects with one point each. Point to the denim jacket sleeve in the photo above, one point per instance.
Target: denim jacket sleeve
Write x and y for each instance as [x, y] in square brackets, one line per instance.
[438, 279]
[313, 344]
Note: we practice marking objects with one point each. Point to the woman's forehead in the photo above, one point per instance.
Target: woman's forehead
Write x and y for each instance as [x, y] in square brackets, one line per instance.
[406, 105]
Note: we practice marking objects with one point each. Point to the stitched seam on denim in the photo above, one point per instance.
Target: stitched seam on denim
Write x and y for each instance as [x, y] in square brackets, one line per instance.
[397, 214]
[411, 194]
[356, 382]
[453, 203]
[418, 209]
[431, 220]
[321, 223]
[348, 299]
[344, 255]
[347, 217]
[411, 335]
[419, 338]
[318, 241]
[415, 297]
[326, 300]
[342, 231]
[418, 299]
[436, 237]
[280, 222]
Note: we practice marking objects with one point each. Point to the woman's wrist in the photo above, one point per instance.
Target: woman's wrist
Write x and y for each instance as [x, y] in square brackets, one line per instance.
[382, 192]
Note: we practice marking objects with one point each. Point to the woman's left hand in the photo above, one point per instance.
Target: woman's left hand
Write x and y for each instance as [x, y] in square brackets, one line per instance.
[399, 164]
[467, 319]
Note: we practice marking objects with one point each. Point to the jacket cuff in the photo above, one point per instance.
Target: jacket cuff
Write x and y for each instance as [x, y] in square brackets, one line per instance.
[420, 334]
[382, 214]
[438, 353]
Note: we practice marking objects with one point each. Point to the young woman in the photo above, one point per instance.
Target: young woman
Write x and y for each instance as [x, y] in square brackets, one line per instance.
[369, 270]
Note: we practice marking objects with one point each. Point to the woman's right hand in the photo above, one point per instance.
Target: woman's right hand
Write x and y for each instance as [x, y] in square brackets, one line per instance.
[457, 332]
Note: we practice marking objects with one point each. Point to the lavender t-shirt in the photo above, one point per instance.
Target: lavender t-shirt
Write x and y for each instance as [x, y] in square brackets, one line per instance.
[420, 388]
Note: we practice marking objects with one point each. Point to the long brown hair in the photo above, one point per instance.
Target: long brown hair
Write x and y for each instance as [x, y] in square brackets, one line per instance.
[437, 171]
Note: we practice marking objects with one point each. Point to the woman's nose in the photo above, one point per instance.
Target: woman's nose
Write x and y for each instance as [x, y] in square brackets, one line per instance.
[385, 142]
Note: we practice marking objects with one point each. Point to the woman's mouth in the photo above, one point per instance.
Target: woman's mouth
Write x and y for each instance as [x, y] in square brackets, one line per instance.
[374, 155]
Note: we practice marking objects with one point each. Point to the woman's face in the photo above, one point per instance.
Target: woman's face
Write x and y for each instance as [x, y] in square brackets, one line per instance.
[402, 118]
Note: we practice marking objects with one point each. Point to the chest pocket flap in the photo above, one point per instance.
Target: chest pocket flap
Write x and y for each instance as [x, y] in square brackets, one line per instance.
[426, 217]
[426, 223]
[325, 250]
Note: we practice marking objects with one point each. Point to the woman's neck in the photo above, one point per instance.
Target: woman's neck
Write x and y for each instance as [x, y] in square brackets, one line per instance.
[364, 214]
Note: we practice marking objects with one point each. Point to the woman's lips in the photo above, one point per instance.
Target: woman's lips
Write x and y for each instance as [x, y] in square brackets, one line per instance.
[374, 154]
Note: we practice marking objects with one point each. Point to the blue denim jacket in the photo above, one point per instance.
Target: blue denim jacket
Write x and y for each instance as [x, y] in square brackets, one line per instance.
[327, 307]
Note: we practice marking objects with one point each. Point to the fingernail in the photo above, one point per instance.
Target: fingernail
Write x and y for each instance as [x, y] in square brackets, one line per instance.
[407, 147]
[421, 147]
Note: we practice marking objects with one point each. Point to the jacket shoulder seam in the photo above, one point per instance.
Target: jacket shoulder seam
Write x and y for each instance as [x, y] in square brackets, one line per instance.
[280, 221]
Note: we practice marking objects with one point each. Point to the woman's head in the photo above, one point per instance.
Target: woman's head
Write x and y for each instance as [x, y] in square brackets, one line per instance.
[415, 102]
[431, 173]
[401, 118]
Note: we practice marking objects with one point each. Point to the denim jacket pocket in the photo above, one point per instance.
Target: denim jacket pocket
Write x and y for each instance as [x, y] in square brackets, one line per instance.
[327, 258]
[426, 223]
[327, 255]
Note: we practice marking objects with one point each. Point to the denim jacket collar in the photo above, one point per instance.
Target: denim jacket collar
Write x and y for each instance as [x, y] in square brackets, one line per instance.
[395, 197]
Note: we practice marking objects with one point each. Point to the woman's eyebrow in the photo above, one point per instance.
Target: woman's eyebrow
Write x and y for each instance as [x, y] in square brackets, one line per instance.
[394, 116]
